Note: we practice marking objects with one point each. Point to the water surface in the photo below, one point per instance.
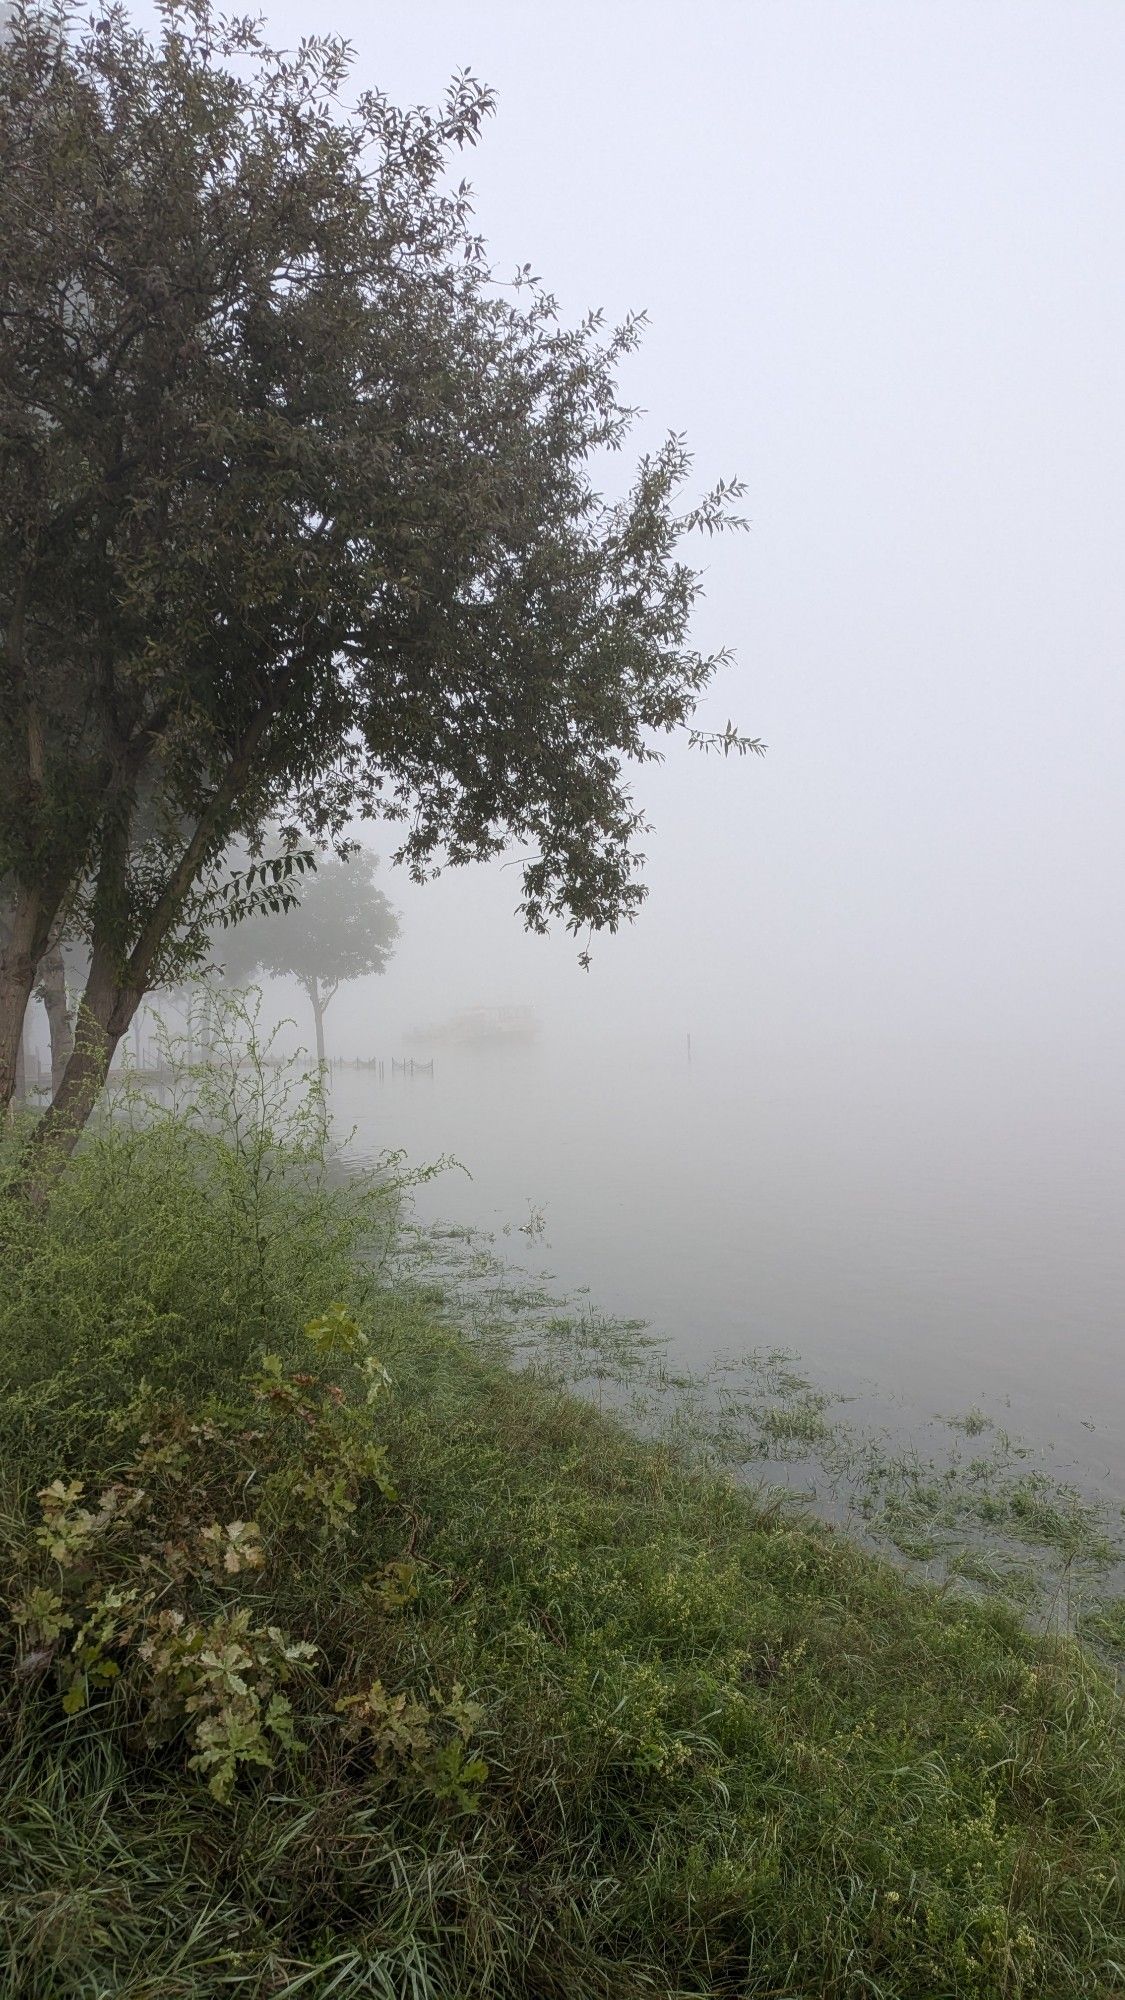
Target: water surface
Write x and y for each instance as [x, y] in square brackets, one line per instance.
[926, 1230]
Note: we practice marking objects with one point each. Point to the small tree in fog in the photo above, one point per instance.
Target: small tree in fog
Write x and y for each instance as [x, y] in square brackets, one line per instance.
[342, 927]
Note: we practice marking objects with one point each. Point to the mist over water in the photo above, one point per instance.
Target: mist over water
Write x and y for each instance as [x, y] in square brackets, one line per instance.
[924, 1242]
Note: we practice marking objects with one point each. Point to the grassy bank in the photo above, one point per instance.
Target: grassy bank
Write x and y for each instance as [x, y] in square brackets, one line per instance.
[445, 1685]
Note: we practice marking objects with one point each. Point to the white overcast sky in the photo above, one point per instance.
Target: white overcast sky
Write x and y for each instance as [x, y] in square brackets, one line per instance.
[881, 249]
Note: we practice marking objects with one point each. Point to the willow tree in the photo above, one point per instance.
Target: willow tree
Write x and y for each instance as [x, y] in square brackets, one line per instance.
[299, 517]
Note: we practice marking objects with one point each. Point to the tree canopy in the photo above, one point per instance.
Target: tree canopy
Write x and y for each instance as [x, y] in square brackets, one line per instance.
[298, 509]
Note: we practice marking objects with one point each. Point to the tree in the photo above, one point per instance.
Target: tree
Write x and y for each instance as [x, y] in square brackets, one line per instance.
[51, 989]
[341, 928]
[18, 1094]
[297, 512]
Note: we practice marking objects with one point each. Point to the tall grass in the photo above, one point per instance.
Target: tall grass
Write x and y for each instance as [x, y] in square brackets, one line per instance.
[531, 1706]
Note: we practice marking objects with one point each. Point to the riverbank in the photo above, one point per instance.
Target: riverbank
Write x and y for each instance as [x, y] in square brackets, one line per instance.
[363, 1664]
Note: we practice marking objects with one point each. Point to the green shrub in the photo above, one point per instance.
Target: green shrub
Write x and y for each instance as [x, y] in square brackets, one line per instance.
[189, 1234]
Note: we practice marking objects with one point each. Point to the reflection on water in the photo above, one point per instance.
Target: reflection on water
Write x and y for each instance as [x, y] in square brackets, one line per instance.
[947, 1228]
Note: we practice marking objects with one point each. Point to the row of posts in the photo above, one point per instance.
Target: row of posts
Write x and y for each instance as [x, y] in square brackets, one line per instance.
[404, 1066]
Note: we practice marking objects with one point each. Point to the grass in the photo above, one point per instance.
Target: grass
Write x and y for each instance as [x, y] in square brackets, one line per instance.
[531, 1705]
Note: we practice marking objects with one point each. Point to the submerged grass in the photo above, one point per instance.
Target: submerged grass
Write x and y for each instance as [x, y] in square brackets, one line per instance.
[462, 1687]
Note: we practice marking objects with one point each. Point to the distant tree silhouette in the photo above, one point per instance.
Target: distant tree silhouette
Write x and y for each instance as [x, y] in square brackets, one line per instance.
[341, 927]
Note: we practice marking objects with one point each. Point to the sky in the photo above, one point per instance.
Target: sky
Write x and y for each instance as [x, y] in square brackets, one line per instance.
[880, 250]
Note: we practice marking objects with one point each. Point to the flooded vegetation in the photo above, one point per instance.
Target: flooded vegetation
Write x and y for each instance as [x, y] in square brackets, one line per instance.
[955, 1498]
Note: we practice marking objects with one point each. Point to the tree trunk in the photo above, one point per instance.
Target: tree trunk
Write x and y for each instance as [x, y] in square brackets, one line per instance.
[21, 946]
[113, 993]
[52, 986]
[19, 1089]
[312, 988]
[104, 1015]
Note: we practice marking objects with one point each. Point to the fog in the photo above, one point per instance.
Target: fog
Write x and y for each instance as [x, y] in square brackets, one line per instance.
[880, 250]
[880, 247]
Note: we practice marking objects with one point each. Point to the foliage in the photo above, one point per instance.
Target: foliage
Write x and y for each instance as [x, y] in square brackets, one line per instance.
[224, 1677]
[568, 1713]
[217, 1672]
[403, 1730]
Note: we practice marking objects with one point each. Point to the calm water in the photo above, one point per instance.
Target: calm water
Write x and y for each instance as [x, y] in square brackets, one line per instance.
[926, 1231]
